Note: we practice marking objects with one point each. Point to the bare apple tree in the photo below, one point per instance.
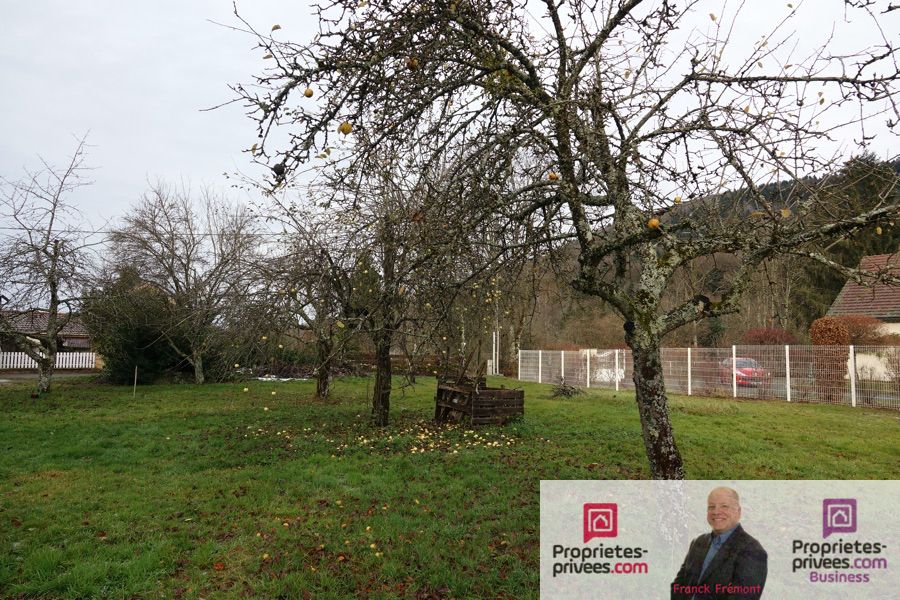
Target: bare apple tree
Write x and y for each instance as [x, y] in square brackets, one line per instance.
[309, 281]
[199, 256]
[640, 115]
[44, 259]
[412, 247]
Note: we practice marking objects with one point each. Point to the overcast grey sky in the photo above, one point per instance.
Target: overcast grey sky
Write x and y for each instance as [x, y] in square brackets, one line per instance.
[135, 76]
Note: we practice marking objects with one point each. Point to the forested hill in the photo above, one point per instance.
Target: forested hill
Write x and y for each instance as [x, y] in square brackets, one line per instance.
[793, 293]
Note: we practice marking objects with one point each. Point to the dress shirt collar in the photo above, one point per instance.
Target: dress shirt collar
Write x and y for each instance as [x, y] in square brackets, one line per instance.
[720, 538]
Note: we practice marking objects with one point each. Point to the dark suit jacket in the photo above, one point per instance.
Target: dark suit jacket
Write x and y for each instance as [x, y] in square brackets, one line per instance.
[740, 561]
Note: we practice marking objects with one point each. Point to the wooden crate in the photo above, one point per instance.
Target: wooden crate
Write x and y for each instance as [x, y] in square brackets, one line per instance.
[465, 402]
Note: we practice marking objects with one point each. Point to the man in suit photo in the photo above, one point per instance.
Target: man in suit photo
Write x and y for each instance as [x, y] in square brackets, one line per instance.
[725, 564]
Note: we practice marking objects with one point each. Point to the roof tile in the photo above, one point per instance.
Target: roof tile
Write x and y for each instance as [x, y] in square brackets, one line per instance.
[34, 321]
[880, 300]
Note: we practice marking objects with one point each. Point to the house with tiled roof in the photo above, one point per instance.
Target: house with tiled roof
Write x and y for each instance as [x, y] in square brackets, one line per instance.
[74, 335]
[878, 300]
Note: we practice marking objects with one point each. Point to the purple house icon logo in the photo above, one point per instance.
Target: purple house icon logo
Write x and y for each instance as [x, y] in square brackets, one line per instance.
[838, 516]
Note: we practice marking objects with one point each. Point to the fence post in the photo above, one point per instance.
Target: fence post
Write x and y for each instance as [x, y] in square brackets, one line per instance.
[520, 364]
[588, 370]
[852, 376]
[734, 371]
[540, 360]
[490, 362]
[689, 370]
[497, 353]
[562, 366]
[787, 371]
[616, 376]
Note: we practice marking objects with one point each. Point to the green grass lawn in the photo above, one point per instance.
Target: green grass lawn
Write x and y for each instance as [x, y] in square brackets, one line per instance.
[189, 492]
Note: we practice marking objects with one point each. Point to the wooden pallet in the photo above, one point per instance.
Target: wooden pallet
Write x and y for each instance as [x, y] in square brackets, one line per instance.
[476, 405]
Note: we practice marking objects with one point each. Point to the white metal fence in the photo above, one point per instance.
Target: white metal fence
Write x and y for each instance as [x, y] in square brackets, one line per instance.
[851, 375]
[64, 360]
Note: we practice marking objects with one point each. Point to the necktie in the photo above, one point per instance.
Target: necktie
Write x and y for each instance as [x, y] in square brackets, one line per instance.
[713, 549]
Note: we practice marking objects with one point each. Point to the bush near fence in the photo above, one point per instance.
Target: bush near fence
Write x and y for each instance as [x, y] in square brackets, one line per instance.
[870, 374]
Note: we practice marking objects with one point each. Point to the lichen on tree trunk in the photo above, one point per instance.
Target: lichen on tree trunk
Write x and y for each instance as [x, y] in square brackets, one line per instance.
[653, 407]
[197, 362]
[45, 372]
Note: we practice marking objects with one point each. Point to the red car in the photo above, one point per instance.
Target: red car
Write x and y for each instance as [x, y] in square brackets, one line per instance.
[747, 372]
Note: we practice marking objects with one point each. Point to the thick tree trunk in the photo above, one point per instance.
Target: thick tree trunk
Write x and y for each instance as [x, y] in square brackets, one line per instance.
[653, 406]
[45, 372]
[381, 397]
[197, 362]
[323, 368]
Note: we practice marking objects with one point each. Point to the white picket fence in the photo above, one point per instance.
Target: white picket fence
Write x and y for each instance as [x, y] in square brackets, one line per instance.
[10, 361]
[871, 376]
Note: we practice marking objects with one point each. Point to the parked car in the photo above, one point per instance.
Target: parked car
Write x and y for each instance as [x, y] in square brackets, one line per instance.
[747, 372]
